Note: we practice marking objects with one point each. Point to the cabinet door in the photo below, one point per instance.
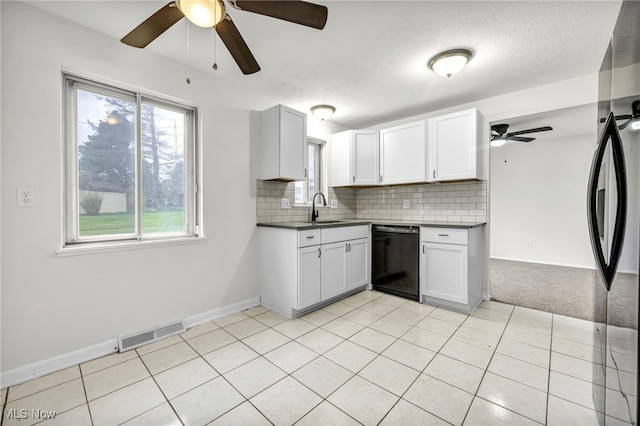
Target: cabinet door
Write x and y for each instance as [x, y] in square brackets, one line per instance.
[308, 276]
[453, 146]
[293, 143]
[340, 165]
[446, 271]
[358, 270]
[403, 154]
[334, 257]
[365, 149]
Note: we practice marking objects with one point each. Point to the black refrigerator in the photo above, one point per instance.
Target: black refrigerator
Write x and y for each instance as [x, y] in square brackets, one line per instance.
[613, 216]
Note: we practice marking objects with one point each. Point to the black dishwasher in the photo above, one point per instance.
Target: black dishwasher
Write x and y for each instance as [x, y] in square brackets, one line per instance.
[395, 260]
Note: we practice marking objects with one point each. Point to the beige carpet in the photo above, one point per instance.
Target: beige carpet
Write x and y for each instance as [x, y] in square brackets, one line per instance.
[556, 289]
[563, 290]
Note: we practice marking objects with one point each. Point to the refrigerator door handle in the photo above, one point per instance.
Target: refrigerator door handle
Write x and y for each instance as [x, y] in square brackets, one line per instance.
[611, 135]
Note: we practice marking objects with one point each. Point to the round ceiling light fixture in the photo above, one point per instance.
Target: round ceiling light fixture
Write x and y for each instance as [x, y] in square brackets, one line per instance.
[323, 112]
[203, 13]
[450, 62]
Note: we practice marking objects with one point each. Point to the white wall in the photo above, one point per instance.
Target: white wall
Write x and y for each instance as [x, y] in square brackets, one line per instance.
[539, 195]
[53, 305]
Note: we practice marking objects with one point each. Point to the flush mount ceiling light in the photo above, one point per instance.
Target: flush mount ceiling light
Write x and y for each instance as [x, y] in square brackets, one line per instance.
[203, 13]
[322, 112]
[451, 62]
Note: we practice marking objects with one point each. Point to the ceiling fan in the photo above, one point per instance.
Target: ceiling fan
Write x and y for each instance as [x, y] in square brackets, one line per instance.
[211, 13]
[499, 135]
[633, 119]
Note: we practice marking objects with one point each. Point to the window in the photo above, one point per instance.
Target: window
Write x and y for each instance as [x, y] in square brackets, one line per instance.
[130, 165]
[305, 190]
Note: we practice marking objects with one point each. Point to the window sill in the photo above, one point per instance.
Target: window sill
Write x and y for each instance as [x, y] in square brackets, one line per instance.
[103, 247]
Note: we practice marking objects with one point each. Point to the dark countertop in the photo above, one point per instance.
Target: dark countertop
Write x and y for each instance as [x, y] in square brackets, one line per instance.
[351, 222]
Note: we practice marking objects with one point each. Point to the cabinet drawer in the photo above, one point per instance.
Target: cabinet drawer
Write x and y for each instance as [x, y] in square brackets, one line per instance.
[444, 235]
[309, 237]
[344, 233]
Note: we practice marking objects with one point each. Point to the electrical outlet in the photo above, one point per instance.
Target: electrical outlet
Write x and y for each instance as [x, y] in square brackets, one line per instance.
[405, 204]
[529, 243]
[26, 197]
[334, 204]
[284, 203]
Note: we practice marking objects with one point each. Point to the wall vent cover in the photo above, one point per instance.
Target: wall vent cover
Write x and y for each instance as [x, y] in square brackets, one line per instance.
[134, 340]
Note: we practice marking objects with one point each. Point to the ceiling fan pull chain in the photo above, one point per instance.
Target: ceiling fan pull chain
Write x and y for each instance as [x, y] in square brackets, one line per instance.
[188, 55]
[215, 49]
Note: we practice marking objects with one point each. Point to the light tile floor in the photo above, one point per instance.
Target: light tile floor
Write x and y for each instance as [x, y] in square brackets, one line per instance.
[368, 359]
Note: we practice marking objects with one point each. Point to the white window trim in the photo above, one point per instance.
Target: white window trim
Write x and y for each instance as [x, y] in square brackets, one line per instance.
[192, 164]
[323, 173]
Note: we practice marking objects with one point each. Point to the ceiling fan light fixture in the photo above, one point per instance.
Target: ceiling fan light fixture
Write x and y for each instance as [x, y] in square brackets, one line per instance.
[450, 62]
[496, 143]
[203, 13]
[635, 125]
[322, 112]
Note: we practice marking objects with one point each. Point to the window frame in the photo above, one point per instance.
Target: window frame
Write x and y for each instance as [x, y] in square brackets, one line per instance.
[192, 202]
[321, 172]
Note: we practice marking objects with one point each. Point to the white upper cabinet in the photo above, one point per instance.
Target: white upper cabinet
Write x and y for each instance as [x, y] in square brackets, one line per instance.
[403, 153]
[355, 157]
[455, 147]
[284, 141]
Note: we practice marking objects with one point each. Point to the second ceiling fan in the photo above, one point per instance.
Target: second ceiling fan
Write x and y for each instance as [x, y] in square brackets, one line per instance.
[499, 135]
[211, 13]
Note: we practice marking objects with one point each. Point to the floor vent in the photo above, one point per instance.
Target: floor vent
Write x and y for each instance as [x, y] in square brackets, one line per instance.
[140, 338]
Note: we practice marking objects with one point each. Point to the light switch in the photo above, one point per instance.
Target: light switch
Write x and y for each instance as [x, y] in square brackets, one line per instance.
[405, 204]
[334, 204]
[284, 203]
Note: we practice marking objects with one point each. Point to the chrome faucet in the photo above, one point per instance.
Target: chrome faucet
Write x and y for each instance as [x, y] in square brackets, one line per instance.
[314, 213]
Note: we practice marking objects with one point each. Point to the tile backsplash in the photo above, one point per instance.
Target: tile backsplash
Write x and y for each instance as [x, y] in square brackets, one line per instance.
[450, 202]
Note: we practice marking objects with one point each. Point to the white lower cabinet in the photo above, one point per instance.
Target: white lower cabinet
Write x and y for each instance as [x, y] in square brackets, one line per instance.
[308, 276]
[303, 269]
[451, 271]
[333, 271]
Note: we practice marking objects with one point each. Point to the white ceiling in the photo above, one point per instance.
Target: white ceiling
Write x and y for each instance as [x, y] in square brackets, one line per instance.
[370, 59]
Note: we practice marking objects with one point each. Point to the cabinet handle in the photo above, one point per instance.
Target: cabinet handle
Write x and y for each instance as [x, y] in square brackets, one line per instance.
[424, 247]
[346, 247]
[319, 252]
[380, 178]
[310, 237]
[305, 172]
[434, 174]
[443, 235]
[349, 246]
[353, 179]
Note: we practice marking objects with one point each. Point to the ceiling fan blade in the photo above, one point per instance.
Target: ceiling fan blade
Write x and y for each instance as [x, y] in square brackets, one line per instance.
[153, 26]
[524, 132]
[519, 139]
[236, 45]
[296, 11]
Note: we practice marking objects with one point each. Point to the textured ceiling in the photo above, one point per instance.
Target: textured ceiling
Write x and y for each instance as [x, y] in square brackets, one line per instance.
[370, 60]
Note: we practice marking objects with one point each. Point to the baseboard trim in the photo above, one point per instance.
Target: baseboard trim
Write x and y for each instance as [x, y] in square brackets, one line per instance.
[56, 363]
[69, 359]
[213, 314]
[511, 259]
